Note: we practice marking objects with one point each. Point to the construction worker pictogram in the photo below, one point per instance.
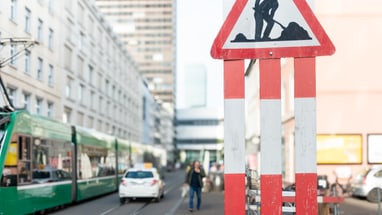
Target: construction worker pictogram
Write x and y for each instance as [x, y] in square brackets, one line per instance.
[257, 29]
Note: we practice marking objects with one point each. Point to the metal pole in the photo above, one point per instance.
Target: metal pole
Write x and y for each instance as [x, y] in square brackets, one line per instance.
[379, 201]
[334, 190]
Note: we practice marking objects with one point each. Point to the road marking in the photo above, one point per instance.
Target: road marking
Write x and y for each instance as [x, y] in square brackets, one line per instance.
[176, 206]
[109, 211]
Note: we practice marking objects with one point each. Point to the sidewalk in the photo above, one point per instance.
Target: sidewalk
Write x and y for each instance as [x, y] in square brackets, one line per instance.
[212, 203]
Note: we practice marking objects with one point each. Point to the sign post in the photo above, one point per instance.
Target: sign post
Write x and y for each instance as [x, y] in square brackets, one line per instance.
[270, 137]
[234, 148]
[269, 30]
[305, 135]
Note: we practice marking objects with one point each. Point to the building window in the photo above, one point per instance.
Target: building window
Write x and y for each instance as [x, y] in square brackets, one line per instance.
[81, 90]
[99, 81]
[92, 96]
[51, 39]
[27, 20]
[68, 58]
[100, 106]
[80, 118]
[91, 27]
[40, 27]
[107, 87]
[113, 92]
[91, 74]
[12, 94]
[68, 88]
[13, 11]
[12, 54]
[107, 128]
[66, 115]
[51, 6]
[90, 122]
[69, 5]
[27, 101]
[51, 75]
[40, 64]
[27, 62]
[82, 41]
[80, 67]
[144, 112]
[50, 110]
[99, 125]
[39, 105]
[80, 14]
[115, 112]
[107, 108]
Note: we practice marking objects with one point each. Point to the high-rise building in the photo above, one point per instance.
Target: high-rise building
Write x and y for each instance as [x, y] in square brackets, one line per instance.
[198, 131]
[147, 29]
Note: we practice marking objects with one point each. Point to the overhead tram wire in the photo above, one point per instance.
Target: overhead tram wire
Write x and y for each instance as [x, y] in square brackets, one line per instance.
[9, 41]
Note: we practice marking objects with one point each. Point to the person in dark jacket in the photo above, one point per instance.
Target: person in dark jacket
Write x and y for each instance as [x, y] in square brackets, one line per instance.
[194, 178]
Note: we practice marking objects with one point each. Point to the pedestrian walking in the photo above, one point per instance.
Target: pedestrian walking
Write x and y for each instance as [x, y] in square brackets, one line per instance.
[194, 178]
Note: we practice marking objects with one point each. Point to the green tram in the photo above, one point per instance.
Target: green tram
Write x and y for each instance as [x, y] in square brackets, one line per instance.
[47, 164]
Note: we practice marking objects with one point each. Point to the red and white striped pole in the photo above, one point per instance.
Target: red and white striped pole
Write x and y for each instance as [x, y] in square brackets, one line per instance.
[270, 137]
[305, 135]
[234, 148]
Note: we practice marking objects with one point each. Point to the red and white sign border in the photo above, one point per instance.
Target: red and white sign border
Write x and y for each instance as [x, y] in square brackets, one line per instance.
[218, 51]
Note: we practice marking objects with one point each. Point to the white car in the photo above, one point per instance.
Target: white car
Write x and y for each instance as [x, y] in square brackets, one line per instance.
[368, 184]
[141, 183]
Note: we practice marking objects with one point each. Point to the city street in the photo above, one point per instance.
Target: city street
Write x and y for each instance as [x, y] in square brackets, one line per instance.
[109, 204]
[94, 93]
[171, 204]
[174, 204]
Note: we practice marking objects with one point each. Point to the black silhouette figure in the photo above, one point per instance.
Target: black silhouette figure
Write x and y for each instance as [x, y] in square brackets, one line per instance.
[264, 11]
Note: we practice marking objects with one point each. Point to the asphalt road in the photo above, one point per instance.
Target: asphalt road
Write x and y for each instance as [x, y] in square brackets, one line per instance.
[174, 204]
[109, 204]
[355, 206]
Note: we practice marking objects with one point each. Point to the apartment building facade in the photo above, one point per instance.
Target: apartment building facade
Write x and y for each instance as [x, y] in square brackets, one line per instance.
[79, 73]
[31, 73]
[147, 28]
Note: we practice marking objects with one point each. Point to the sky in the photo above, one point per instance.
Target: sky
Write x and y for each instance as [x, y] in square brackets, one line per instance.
[198, 23]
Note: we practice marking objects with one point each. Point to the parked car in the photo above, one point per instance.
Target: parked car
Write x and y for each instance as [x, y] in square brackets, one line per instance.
[48, 175]
[141, 183]
[368, 183]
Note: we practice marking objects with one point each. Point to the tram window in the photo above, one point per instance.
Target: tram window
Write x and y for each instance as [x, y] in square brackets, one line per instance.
[27, 150]
[51, 155]
[40, 153]
[24, 148]
[95, 162]
[8, 180]
[20, 148]
[24, 166]
[24, 172]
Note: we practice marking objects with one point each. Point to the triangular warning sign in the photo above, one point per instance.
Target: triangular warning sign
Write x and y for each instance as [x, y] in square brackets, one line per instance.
[257, 29]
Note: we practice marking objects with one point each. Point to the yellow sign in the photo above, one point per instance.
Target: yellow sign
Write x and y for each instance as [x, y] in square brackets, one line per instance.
[11, 158]
[339, 148]
[148, 165]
